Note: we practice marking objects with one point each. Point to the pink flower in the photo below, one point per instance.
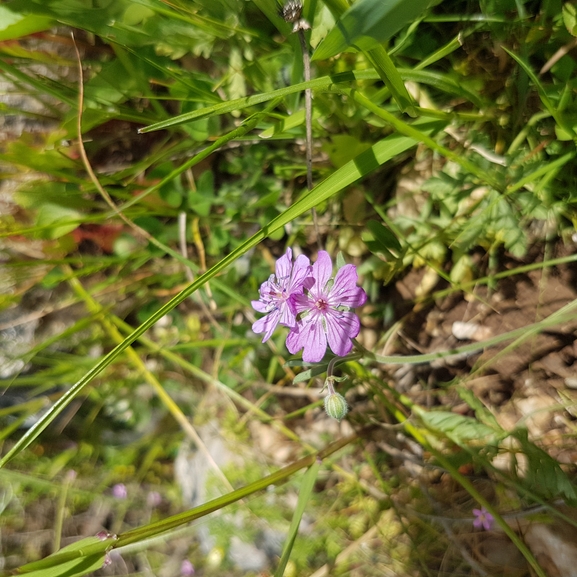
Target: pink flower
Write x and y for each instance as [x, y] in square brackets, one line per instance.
[483, 519]
[278, 292]
[119, 491]
[187, 568]
[153, 499]
[323, 312]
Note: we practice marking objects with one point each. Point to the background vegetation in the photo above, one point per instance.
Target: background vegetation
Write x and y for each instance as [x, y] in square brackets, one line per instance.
[145, 197]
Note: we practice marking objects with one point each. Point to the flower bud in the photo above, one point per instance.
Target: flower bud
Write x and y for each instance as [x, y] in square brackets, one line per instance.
[336, 406]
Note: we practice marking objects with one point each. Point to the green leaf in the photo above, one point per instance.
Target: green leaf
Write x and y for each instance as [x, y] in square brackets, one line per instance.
[344, 147]
[459, 429]
[570, 18]
[309, 374]
[285, 124]
[58, 220]
[543, 473]
[383, 239]
[14, 25]
[77, 559]
[368, 22]
[392, 78]
[200, 201]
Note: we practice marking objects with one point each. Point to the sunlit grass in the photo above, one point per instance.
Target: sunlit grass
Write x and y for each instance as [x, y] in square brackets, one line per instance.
[443, 164]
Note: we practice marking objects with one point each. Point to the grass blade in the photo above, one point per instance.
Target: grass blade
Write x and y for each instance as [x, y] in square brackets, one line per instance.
[362, 165]
[368, 22]
[305, 491]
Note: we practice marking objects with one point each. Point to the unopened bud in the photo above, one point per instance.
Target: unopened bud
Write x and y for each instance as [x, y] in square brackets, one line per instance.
[336, 406]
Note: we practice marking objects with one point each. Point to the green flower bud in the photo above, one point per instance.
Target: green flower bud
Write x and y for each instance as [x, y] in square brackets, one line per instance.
[336, 406]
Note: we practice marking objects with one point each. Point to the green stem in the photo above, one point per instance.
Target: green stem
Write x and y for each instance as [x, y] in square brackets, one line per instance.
[555, 318]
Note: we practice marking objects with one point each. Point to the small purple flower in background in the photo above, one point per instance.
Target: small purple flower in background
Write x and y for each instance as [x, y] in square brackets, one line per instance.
[323, 314]
[187, 568]
[71, 475]
[483, 519]
[119, 491]
[153, 499]
[277, 293]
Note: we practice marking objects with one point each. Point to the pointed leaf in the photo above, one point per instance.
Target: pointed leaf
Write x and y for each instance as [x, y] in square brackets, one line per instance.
[368, 22]
[305, 491]
[383, 238]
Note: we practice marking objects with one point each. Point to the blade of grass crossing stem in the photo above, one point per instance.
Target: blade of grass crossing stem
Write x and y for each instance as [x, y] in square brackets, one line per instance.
[305, 491]
[322, 83]
[238, 132]
[543, 171]
[383, 64]
[85, 553]
[353, 170]
[543, 94]
[153, 529]
[412, 131]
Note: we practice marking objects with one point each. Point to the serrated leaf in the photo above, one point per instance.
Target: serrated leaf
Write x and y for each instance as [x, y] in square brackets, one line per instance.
[543, 472]
[459, 429]
[368, 22]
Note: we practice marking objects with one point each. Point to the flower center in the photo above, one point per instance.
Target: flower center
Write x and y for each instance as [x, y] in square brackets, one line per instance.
[277, 292]
[321, 304]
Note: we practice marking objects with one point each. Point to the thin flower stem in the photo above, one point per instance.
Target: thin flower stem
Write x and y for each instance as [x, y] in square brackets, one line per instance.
[308, 126]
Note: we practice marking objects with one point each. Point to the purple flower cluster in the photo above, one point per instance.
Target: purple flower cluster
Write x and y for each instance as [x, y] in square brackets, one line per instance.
[313, 304]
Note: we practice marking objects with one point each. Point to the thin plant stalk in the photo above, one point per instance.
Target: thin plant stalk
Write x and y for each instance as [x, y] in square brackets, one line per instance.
[308, 125]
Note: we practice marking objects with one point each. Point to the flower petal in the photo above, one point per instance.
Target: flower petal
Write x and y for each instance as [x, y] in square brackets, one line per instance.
[260, 307]
[345, 291]
[301, 303]
[283, 267]
[287, 316]
[322, 271]
[267, 324]
[301, 271]
[342, 326]
[309, 336]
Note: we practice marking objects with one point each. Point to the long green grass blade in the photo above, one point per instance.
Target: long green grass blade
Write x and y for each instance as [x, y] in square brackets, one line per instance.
[75, 560]
[368, 22]
[305, 491]
[154, 529]
[438, 80]
[542, 94]
[389, 74]
[322, 83]
[361, 166]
